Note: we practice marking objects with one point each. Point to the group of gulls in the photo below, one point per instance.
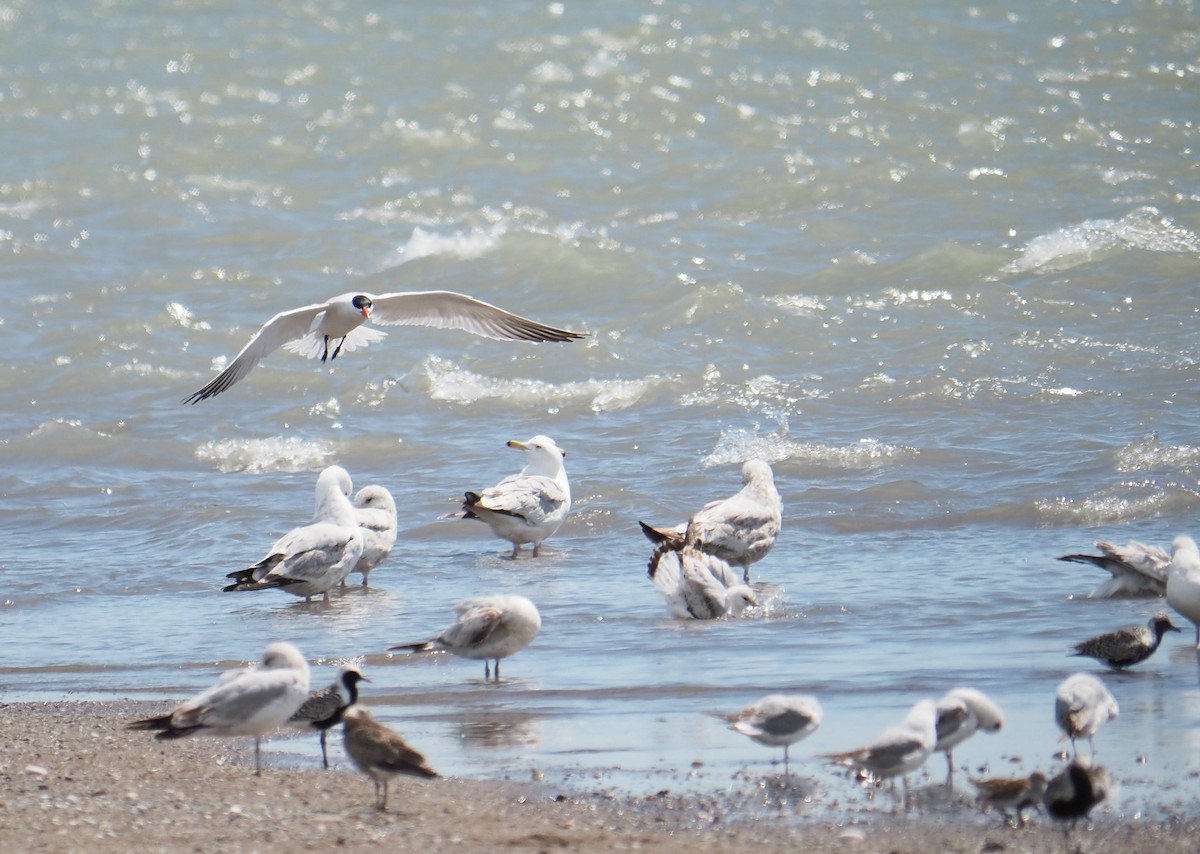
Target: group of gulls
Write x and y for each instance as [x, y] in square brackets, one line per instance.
[692, 565]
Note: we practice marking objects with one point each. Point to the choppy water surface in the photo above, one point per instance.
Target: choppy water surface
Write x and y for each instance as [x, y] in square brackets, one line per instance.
[935, 262]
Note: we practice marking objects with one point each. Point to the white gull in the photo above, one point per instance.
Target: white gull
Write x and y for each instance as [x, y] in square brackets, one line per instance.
[961, 713]
[1183, 580]
[245, 702]
[777, 720]
[529, 506]
[313, 559]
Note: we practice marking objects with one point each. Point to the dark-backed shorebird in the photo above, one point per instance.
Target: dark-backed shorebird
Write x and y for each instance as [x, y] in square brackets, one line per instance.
[323, 710]
[1128, 646]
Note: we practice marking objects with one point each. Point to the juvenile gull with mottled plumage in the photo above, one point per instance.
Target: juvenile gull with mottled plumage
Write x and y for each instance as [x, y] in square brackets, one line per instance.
[697, 584]
[488, 628]
[1082, 704]
[1136, 569]
[740, 529]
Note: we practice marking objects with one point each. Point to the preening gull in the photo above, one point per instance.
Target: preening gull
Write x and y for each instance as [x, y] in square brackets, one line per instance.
[375, 510]
[380, 752]
[1136, 569]
[961, 713]
[488, 628]
[1081, 706]
[1012, 793]
[253, 702]
[697, 584]
[777, 720]
[897, 750]
[739, 529]
[310, 329]
[529, 506]
[1183, 581]
[323, 710]
[313, 559]
[1128, 646]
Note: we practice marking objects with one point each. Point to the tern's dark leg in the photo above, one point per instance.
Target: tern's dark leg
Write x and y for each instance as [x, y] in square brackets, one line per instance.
[338, 348]
[325, 353]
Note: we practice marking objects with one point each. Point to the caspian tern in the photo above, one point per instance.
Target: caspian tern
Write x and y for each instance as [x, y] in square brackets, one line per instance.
[310, 329]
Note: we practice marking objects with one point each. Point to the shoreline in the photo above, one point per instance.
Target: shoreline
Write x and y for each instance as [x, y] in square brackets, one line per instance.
[75, 779]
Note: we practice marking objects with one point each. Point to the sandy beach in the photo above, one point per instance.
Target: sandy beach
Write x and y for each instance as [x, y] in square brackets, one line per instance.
[76, 780]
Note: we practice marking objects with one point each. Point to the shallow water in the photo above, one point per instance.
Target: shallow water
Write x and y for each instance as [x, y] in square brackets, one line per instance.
[935, 263]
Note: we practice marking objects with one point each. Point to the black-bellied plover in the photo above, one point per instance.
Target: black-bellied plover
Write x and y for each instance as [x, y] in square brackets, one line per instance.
[309, 330]
[1082, 704]
[250, 702]
[323, 710]
[740, 529]
[961, 713]
[380, 752]
[313, 559]
[488, 628]
[1128, 646]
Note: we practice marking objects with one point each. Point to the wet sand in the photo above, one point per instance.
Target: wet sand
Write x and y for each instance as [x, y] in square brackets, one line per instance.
[74, 779]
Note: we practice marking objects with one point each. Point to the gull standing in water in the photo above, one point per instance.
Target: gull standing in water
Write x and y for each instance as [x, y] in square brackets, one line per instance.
[313, 559]
[1183, 581]
[777, 720]
[375, 510]
[897, 750]
[246, 702]
[739, 529]
[1081, 706]
[488, 628]
[380, 752]
[1136, 569]
[323, 710]
[697, 584]
[961, 713]
[529, 506]
[1128, 646]
[308, 330]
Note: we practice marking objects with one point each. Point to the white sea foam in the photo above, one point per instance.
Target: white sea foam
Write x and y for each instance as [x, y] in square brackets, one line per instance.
[734, 446]
[1144, 228]
[278, 453]
[470, 244]
[445, 380]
